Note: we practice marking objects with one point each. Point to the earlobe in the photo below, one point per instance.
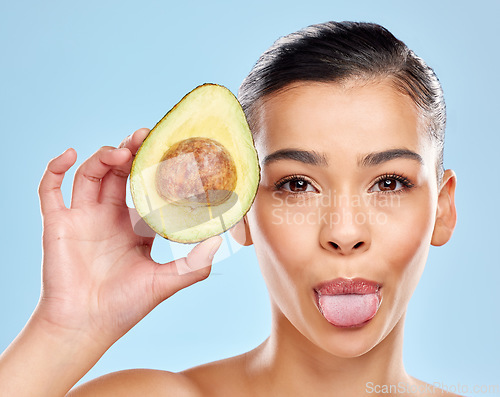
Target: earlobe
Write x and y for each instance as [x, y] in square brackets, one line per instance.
[446, 214]
[241, 232]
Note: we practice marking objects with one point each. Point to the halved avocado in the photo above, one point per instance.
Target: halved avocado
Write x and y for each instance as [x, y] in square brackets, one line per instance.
[197, 172]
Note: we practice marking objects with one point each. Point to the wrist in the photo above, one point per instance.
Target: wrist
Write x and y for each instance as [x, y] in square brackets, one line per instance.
[68, 339]
[70, 331]
[47, 360]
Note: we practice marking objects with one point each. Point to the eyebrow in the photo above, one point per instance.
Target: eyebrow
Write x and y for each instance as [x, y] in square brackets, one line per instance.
[315, 158]
[304, 156]
[373, 159]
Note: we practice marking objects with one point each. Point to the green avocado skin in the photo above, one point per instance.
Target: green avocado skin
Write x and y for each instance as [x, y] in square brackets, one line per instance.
[209, 111]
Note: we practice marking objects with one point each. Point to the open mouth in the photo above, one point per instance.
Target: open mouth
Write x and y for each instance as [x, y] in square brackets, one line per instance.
[348, 303]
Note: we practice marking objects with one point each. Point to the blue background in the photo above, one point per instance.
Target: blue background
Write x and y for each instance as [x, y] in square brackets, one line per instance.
[86, 74]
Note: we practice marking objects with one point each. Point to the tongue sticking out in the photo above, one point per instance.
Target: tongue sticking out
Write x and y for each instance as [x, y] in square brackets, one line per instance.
[349, 310]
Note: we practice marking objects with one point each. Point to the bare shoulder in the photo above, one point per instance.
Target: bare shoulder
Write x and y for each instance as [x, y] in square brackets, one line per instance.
[227, 377]
[138, 382]
[219, 378]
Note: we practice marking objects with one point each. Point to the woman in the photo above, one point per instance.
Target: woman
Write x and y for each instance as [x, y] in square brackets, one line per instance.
[349, 127]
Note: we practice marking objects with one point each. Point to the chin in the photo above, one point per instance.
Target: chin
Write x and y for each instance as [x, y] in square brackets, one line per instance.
[350, 343]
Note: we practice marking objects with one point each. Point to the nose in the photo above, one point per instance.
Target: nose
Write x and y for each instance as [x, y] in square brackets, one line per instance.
[346, 229]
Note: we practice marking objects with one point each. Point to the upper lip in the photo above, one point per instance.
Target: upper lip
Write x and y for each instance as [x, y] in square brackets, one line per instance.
[342, 286]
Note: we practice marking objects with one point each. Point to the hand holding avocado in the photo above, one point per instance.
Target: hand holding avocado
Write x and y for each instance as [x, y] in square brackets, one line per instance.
[98, 278]
[98, 275]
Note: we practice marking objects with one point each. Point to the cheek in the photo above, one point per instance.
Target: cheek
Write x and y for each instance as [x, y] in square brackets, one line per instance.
[284, 238]
[404, 243]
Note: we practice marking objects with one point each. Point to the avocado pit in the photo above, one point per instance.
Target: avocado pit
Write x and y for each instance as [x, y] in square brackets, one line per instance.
[196, 172]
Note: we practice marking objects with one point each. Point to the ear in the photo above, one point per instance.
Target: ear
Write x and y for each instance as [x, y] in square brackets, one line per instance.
[241, 232]
[446, 214]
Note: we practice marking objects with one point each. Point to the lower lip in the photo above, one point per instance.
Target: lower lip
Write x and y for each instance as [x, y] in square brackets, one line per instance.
[349, 310]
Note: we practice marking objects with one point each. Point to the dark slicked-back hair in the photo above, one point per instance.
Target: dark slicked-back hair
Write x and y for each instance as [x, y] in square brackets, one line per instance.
[341, 51]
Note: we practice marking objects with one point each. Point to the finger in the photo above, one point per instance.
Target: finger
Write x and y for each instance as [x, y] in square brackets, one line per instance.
[89, 175]
[134, 141]
[113, 185]
[49, 189]
[179, 274]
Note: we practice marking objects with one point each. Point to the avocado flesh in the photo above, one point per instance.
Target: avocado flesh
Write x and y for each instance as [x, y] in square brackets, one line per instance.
[197, 172]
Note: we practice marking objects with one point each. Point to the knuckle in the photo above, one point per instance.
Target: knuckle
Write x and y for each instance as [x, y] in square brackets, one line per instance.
[81, 172]
[91, 178]
[119, 173]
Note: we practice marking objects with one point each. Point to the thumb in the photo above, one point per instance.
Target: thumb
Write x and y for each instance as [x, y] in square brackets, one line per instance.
[181, 273]
[200, 257]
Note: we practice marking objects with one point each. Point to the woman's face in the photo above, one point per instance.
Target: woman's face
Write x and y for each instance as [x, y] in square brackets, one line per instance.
[348, 191]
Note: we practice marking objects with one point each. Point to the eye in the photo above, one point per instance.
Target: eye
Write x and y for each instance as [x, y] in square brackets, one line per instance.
[391, 183]
[295, 184]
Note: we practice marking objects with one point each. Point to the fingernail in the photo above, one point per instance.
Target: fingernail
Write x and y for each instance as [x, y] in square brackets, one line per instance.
[125, 141]
[215, 247]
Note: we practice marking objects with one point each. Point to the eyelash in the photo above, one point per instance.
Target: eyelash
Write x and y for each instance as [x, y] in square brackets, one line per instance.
[407, 184]
[279, 184]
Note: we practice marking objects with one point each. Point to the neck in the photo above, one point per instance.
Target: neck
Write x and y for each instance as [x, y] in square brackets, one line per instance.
[289, 361]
